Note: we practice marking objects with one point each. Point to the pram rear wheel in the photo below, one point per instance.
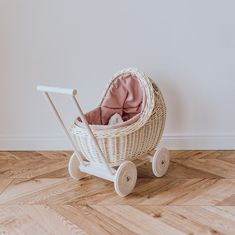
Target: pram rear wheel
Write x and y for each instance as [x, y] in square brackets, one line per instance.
[160, 162]
[125, 178]
[73, 168]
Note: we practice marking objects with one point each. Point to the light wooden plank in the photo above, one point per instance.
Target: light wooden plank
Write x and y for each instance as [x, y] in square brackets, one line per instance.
[196, 197]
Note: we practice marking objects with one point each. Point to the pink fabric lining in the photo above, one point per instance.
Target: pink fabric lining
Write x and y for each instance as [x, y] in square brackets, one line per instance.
[125, 97]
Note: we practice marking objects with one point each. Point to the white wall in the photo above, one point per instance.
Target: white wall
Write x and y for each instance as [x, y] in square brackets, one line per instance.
[187, 46]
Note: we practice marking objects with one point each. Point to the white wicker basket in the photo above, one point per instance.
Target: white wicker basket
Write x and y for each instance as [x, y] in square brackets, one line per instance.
[128, 142]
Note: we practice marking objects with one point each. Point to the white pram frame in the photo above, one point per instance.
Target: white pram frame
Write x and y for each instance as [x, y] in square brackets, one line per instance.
[125, 175]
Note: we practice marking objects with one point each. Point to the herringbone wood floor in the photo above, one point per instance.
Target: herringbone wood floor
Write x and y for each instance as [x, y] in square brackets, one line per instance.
[197, 196]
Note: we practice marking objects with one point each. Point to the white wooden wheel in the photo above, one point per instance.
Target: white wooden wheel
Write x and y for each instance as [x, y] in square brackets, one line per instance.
[125, 178]
[73, 168]
[160, 162]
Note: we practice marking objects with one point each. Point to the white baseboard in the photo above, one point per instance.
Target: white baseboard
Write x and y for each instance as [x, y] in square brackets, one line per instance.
[22, 143]
[199, 142]
[172, 142]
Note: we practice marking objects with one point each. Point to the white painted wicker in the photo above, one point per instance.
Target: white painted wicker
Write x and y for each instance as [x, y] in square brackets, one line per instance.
[129, 142]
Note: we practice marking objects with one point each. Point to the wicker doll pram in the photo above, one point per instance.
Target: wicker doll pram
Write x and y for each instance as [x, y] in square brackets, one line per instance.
[112, 153]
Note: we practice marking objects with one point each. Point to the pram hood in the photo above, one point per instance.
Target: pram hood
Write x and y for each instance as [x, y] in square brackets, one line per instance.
[130, 93]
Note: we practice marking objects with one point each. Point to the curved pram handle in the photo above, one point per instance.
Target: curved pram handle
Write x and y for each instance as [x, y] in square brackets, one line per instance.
[58, 90]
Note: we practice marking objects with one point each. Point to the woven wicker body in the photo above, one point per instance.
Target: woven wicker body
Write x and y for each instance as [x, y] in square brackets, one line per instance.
[129, 142]
[109, 151]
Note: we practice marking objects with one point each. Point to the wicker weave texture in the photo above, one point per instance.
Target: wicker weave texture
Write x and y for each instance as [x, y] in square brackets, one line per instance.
[127, 143]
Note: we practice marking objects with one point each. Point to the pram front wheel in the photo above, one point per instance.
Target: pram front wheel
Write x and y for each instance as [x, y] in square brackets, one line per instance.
[160, 162]
[73, 168]
[125, 178]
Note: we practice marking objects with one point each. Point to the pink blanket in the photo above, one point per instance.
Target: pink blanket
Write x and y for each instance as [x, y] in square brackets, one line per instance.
[125, 97]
